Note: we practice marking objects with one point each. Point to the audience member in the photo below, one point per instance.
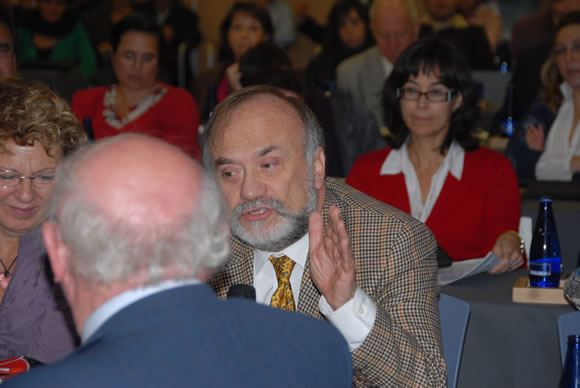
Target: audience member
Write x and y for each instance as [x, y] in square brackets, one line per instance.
[394, 27]
[99, 22]
[349, 129]
[347, 33]
[539, 27]
[531, 44]
[560, 148]
[7, 48]
[37, 130]
[131, 240]
[283, 18]
[435, 170]
[139, 102]
[179, 25]
[49, 34]
[443, 20]
[244, 26]
[373, 275]
[477, 13]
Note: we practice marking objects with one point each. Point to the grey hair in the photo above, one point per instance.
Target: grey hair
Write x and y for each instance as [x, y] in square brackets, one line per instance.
[105, 250]
[313, 134]
[412, 8]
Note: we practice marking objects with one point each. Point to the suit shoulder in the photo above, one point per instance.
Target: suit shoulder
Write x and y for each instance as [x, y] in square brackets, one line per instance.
[356, 62]
[359, 208]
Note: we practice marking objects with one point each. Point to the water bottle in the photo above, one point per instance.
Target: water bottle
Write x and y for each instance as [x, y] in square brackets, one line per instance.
[571, 372]
[545, 259]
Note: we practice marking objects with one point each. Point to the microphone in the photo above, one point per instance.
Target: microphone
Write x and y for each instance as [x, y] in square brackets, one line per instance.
[242, 291]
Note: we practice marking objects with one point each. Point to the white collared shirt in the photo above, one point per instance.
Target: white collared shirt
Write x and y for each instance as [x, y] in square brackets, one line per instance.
[354, 319]
[554, 163]
[398, 162]
[387, 66]
[119, 302]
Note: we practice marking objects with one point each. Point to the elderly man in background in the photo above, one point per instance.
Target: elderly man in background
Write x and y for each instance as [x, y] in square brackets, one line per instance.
[394, 26]
[131, 239]
[314, 245]
[7, 51]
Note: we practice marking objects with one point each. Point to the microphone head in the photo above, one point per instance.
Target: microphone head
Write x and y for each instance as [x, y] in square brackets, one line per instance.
[242, 291]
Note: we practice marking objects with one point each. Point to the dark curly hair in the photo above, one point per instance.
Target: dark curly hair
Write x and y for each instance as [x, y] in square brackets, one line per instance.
[258, 12]
[433, 56]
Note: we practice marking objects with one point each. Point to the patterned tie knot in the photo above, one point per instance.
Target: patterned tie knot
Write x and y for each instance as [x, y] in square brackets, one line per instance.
[283, 297]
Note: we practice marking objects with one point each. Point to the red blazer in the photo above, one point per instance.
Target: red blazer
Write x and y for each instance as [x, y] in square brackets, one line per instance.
[469, 215]
[174, 118]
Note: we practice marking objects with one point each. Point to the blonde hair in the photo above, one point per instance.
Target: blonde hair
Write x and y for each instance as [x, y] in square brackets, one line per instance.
[30, 112]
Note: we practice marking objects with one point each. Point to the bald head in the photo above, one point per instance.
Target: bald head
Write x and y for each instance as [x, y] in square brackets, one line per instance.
[394, 27]
[141, 181]
[133, 204]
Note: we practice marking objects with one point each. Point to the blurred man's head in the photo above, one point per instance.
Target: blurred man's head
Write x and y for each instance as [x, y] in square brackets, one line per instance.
[441, 10]
[394, 27]
[122, 219]
[562, 7]
[7, 49]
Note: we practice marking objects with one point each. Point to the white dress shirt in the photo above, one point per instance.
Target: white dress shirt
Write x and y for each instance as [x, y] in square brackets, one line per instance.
[119, 302]
[554, 163]
[354, 319]
[398, 161]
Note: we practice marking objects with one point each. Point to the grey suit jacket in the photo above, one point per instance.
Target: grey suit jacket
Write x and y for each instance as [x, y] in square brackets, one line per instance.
[363, 76]
[396, 267]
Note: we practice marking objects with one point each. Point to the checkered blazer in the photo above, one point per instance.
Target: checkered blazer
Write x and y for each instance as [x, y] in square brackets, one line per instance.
[397, 268]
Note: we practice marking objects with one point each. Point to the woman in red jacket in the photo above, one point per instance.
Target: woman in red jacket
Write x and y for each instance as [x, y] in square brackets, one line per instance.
[139, 102]
[435, 170]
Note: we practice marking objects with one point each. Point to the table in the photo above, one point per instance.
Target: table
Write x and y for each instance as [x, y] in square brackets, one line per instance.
[507, 344]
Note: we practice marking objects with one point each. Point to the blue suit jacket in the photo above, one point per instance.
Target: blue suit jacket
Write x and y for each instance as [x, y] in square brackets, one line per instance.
[186, 337]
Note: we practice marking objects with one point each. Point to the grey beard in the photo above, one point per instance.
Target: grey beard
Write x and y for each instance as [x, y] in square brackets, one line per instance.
[291, 227]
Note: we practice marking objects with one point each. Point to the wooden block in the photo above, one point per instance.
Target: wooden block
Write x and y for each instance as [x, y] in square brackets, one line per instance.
[523, 293]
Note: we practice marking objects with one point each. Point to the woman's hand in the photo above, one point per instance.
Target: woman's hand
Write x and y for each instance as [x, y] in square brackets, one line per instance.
[535, 137]
[507, 248]
[234, 75]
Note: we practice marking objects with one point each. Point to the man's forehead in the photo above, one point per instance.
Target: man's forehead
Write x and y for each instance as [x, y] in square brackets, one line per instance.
[258, 107]
[260, 117]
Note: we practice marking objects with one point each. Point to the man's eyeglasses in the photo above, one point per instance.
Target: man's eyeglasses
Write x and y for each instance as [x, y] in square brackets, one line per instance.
[433, 95]
[40, 180]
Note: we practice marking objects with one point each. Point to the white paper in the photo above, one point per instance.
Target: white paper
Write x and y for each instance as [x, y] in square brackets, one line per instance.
[465, 268]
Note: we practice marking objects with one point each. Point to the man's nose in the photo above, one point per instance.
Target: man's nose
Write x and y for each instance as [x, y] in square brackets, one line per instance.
[252, 187]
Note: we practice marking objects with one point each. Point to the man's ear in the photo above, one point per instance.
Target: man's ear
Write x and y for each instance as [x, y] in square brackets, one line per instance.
[58, 252]
[319, 167]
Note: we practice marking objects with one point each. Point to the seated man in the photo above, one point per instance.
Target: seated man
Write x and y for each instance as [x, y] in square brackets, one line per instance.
[131, 239]
[319, 247]
[443, 20]
[394, 28]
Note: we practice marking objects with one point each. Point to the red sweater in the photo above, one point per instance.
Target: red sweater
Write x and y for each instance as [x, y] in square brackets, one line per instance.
[174, 118]
[469, 215]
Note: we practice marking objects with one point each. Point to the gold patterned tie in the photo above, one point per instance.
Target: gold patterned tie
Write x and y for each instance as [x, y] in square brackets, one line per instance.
[283, 297]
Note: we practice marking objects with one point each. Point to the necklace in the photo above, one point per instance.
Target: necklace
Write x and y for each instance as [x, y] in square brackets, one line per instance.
[7, 270]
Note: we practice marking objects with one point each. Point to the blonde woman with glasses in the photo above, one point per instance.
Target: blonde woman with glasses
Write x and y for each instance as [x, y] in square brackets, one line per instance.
[37, 129]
